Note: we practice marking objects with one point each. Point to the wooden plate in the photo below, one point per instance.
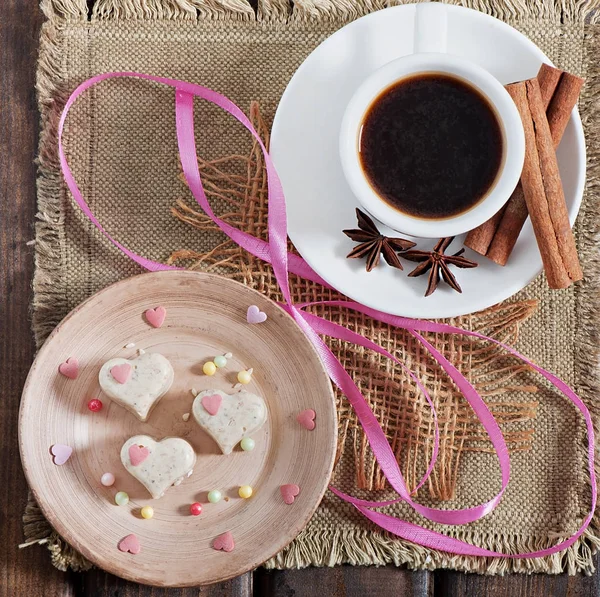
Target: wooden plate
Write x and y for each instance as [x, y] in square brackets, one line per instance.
[206, 316]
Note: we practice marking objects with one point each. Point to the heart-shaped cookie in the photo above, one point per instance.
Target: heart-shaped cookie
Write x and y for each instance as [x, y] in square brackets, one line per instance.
[165, 463]
[238, 416]
[149, 378]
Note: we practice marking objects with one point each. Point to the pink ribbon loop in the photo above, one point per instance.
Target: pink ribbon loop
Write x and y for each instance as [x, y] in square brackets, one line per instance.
[275, 252]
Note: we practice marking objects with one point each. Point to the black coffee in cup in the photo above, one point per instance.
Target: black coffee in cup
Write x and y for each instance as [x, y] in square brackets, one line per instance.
[431, 146]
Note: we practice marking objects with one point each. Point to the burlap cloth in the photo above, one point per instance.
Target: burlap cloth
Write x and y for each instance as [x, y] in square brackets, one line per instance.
[122, 147]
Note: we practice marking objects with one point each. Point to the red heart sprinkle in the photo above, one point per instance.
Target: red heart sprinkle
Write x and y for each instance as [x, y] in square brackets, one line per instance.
[289, 493]
[121, 373]
[224, 542]
[307, 419]
[212, 403]
[130, 544]
[137, 454]
[156, 317]
[70, 368]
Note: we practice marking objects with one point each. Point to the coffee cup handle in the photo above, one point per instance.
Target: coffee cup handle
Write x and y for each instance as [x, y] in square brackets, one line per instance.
[431, 28]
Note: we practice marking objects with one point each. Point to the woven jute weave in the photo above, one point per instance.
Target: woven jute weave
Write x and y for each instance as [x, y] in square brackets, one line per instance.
[121, 144]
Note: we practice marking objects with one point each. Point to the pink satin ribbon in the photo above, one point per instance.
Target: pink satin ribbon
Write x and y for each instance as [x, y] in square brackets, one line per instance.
[275, 252]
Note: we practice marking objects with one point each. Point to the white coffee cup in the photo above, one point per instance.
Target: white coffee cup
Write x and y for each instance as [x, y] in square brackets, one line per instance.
[432, 34]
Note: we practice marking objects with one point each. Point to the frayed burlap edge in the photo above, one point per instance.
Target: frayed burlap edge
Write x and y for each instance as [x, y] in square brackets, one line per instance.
[304, 11]
[327, 547]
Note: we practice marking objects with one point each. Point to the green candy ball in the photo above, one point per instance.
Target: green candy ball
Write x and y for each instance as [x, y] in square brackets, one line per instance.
[247, 444]
[121, 498]
[214, 496]
[220, 362]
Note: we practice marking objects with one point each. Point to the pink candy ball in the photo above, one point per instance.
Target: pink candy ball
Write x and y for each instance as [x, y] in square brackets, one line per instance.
[107, 479]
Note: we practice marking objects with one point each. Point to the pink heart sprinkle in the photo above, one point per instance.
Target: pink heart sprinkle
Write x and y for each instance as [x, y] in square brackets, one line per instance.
[130, 544]
[307, 419]
[121, 373]
[70, 368]
[212, 403]
[156, 317]
[61, 453]
[224, 542]
[289, 493]
[137, 454]
[255, 315]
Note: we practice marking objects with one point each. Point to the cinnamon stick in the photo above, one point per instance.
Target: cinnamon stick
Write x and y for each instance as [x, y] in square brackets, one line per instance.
[509, 227]
[480, 238]
[548, 78]
[498, 236]
[542, 189]
[562, 103]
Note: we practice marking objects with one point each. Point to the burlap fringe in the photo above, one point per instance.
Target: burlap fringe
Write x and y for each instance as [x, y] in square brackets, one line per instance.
[309, 11]
[49, 303]
[588, 342]
[39, 532]
[331, 547]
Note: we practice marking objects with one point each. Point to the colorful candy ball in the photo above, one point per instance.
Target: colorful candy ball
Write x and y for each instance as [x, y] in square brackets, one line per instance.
[244, 377]
[196, 509]
[95, 405]
[245, 491]
[107, 479]
[121, 498]
[147, 512]
[220, 361]
[209, 368]
[247, 444]
[214, 496]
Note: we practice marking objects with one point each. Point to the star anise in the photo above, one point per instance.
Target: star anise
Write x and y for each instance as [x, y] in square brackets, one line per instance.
[436, 262]
[373, 243]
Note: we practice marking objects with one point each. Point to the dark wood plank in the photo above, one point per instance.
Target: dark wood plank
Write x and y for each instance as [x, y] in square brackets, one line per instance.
[344, 581]
[456, 584]
[22, 572]
[98, 584]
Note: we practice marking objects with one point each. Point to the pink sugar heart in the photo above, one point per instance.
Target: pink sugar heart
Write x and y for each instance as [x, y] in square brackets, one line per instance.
[289, 493]
[130, 544]
[121, 373]
[255, 315]
[307, 419]
[61, 453]
[137, 454]
[156, 317]
[212, 403]
[224, 542]
[70, 368]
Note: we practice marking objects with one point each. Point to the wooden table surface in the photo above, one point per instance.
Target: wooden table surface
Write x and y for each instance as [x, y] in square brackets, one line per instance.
[28, 573]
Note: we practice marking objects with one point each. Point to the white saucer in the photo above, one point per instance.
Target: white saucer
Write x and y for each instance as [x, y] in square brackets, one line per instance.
[304, 147]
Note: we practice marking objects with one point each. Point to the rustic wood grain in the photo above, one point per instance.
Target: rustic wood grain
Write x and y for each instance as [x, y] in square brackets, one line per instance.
[455, 584]
[21, 572]
[29, 572]
[348, 581]
[100, 584]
